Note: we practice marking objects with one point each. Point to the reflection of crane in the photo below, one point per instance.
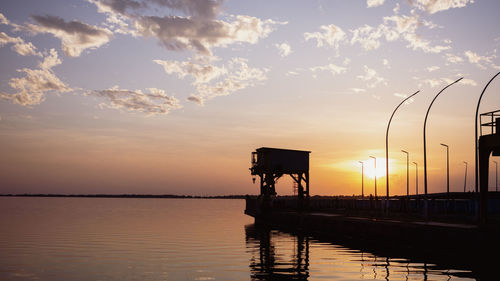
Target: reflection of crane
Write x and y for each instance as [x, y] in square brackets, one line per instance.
[269, 265]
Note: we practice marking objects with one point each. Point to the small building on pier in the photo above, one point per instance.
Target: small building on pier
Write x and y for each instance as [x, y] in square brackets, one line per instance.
[272, 163]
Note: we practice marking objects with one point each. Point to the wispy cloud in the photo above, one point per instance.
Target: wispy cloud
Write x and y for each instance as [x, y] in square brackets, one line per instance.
[434, 6]
[433, 68]
[451, 58]
[477, 59]
[330, 36]
[151, 102]
[31, 89]
[190, 25]
[284, 49]
[19, 45]
[332, 68]
[211, 81]
[75, 36]
[372, 78]
[374, 3]
[202, 73]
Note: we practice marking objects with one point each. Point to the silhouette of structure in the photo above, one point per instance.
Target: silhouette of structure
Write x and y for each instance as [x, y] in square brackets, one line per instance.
[387, 144]
[488, 144]
[272, 163]
[267, 264]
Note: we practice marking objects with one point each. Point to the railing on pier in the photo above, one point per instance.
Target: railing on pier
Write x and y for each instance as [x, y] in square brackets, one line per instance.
[491, 121]
[458, 207]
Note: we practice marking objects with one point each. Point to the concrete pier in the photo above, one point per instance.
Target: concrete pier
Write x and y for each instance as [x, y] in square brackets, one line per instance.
[451, 231]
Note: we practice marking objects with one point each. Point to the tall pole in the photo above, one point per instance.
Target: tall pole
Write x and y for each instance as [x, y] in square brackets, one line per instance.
[425, 140]
[407, 172]
[465, 179]
[387, 144]
[496, 175]
[375, 172]
[362, 178]
[447, 169]
[475, 127]
[416, 178]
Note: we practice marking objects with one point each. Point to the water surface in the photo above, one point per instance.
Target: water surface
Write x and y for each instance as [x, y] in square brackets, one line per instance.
[175, 239]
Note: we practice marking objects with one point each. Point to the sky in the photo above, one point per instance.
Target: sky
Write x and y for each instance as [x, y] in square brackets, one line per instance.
[172, 96]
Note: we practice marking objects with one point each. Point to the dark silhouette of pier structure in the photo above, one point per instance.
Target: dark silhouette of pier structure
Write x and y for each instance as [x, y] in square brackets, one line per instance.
[270, 164]
[427, 221]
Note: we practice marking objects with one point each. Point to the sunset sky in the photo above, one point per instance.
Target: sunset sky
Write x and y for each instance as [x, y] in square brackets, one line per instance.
[172, 96]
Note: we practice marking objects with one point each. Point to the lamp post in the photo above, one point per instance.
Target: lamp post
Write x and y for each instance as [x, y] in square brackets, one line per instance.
[425, 140]
[362, 178]
[416, 178]
[387, 145]
[476, 135]
[407, 172]
[375, 172]
[465, 179]
[496, 175]
[447, 169]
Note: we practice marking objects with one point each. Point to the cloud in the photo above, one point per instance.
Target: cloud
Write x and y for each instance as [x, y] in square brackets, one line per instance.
[154, 101]
[284, 49]
[202, 73]
[434, 6]
[434, 82]
[372, 77]
[331, 36]
[367, 36]
[433, 68]
[409, 101]
[178, 33]
[75, 36]
[469, 82]
[3, 19]
[31, 89]
[358, 90]
[477, 59]
[332, 68]
[238, 76]
[19, 45]
[393, 28]
[453, 58]
[190, 25]
[374, 3]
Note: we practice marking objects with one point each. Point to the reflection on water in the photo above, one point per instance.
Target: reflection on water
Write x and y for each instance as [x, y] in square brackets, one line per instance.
[174, 239]
[277, 255]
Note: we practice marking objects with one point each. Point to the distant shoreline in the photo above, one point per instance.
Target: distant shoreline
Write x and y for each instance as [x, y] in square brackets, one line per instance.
[128, 196]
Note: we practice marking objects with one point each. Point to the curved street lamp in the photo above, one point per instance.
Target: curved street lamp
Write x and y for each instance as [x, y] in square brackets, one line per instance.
[387, 143]
[475, 126]
[425, 140]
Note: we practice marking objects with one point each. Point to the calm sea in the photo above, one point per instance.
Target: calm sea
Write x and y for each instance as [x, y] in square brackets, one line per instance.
[175, 239]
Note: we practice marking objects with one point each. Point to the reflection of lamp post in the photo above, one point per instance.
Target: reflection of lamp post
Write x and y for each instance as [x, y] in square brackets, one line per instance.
[447, 169]
[375, 172]
[362, 178]
[465, 179]
[387, 144]
[407, 172]
[496, 175]
[416, 178]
